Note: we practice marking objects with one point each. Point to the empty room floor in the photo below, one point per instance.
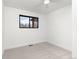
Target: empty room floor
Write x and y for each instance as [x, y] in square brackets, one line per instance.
[38, 51]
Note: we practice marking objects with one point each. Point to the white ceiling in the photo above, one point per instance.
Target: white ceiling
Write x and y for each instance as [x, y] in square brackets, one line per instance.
[37, 5]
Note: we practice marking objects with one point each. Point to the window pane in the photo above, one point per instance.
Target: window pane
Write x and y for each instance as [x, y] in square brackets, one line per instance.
[24, 21]
[35, 24]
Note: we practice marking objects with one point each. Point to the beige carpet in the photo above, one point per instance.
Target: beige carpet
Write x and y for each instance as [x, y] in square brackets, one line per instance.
[38, 51]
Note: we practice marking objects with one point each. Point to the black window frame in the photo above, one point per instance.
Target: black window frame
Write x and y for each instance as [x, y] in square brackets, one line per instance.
[29, 21]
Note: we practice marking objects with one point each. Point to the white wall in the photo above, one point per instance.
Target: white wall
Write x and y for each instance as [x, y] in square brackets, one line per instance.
[15, 36]
[61, 30]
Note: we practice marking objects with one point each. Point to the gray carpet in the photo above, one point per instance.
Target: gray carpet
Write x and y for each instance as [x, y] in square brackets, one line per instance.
[38, 51]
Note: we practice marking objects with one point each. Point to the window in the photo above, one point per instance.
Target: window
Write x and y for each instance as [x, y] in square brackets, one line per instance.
[28, 21]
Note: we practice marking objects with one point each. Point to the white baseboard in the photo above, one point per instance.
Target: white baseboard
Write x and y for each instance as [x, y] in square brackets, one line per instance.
[60, 45]
[20, 45]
